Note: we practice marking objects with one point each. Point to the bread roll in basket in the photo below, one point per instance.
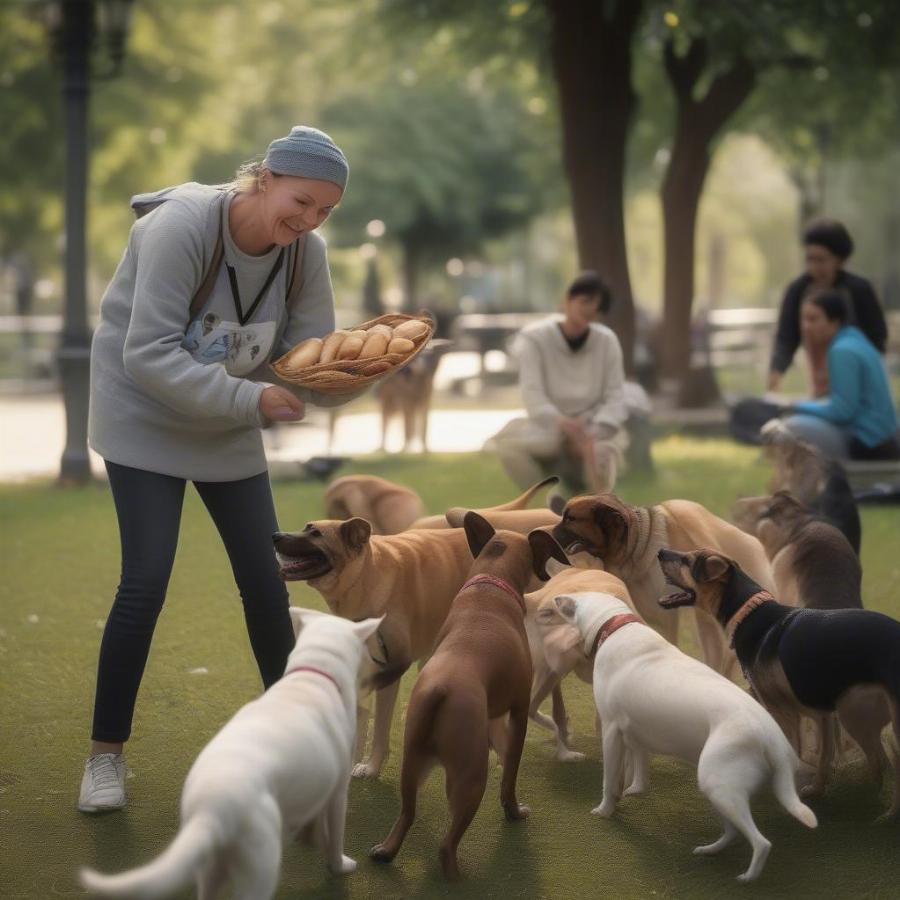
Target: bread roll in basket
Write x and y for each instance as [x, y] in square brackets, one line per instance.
[345, 376]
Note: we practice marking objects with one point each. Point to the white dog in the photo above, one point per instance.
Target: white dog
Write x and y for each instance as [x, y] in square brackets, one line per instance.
[652, 698]
[282, 762]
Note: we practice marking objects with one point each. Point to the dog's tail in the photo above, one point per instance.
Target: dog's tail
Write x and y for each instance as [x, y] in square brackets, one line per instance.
[522, 501]
[173, 869]
[783, 761]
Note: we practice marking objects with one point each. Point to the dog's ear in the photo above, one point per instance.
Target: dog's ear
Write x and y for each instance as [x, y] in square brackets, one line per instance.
[478, 532]
[612, 522]
[355, 533]
[300, 616]
[543, 548]
[710, 567]
[556, 503]
[365, 628]
[296, 619]
[566, 606]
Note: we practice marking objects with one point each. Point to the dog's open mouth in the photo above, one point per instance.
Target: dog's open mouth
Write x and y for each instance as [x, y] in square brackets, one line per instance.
[302, 568]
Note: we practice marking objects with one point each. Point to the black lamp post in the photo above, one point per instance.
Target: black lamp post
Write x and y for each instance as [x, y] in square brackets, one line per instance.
[75, 27]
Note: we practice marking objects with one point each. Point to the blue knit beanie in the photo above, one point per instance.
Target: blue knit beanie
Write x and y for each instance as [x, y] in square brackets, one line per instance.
[308, 153]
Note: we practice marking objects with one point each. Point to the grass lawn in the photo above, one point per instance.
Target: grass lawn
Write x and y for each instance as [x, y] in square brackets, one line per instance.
[60, 561]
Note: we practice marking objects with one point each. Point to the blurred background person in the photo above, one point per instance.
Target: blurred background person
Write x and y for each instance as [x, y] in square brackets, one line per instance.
[573, 387]
[827, 246]
[857, 420]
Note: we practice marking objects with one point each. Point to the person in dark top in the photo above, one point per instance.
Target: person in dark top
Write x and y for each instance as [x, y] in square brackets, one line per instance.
[827, 246]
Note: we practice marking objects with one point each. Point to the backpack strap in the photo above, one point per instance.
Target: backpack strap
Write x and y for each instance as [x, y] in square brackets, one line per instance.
[295, 279]
[215, 263]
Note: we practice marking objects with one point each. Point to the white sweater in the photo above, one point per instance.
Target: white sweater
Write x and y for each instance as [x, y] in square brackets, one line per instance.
[587, 383]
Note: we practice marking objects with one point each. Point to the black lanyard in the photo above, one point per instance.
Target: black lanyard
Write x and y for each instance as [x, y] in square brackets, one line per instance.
[236, 294]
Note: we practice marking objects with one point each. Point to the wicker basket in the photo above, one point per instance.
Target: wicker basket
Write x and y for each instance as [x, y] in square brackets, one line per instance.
[344, 376]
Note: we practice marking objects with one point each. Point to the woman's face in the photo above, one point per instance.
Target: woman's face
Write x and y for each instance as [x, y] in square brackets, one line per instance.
[291, 206]
[821, 264]
[815, 326]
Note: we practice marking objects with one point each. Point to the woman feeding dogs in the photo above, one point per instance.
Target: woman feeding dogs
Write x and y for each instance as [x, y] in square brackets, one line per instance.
[208, 291]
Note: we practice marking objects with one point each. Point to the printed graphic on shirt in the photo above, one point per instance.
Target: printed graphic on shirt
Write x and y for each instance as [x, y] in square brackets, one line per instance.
[240, 348]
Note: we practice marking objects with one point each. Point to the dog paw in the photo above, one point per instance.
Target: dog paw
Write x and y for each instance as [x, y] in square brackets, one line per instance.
[365, 770]
[605, 810]
[887, 817]
[569, 756]
[346, 866]
[381, 854]
[634, 790]
[517, 812]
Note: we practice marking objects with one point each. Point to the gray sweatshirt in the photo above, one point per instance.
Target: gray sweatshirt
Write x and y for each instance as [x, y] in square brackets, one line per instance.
[587, 383]
[182, 398]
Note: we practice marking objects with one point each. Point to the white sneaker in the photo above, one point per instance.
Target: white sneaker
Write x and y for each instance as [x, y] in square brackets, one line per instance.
[103, 784]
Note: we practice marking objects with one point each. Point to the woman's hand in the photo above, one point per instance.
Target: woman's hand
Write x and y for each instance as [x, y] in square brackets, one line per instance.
[774, 381]
[279, 405]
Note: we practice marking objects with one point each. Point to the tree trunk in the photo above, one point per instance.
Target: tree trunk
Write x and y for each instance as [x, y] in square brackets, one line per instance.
[591, 54]
[410, 276]
[697, 124]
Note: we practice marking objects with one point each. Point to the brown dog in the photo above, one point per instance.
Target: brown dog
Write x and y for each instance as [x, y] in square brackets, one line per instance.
[516, 504]
[627, 538]
[556, 645]
[411, 578]
[480, 671]
[813, 564]
[409, 394]
[390, 508]
[813, 662]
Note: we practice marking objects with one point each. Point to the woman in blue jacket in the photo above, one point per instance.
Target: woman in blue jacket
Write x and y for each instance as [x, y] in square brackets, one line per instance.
[857, 419]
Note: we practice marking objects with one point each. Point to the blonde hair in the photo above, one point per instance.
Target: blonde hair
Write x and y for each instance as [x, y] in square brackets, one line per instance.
[248, 177]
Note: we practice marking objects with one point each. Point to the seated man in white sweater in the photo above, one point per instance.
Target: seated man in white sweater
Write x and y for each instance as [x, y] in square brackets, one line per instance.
[572, 381]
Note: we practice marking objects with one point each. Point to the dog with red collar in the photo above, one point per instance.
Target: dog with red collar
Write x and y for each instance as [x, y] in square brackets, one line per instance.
[478, 674]
[653, 699]
[280, 765]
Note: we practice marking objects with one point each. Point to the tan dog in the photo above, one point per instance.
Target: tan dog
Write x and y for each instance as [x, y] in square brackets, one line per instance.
[411, 578]
[480, 671]
[627, 538]
[517, 503]
[390, 508]
[556, 645]
[409, 394]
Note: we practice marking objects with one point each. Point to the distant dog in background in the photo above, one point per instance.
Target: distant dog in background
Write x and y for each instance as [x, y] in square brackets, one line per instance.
[408, 393]
[390, 508]
[815, 480]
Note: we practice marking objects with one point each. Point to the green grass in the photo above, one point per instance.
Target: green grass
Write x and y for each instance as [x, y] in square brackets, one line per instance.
[60, 563]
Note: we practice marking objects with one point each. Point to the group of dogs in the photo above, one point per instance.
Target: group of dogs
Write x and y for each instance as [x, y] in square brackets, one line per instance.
[498, 606]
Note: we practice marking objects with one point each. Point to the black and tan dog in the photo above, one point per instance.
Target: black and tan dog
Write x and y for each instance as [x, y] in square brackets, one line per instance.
[480, 672]
[627, 538]
[807, 661]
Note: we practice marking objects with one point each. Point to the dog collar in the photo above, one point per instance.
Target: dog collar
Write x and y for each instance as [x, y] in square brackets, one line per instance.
[747, 607]
[316, 671]
[494, 581]
[610, 626]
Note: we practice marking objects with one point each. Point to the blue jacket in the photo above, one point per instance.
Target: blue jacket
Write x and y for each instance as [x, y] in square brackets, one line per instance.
[860, 400]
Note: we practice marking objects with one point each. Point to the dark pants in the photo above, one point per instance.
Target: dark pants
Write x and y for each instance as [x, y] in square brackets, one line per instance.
[148, 506]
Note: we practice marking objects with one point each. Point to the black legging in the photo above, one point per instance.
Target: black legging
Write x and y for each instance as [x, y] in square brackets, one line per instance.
[148, 506]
